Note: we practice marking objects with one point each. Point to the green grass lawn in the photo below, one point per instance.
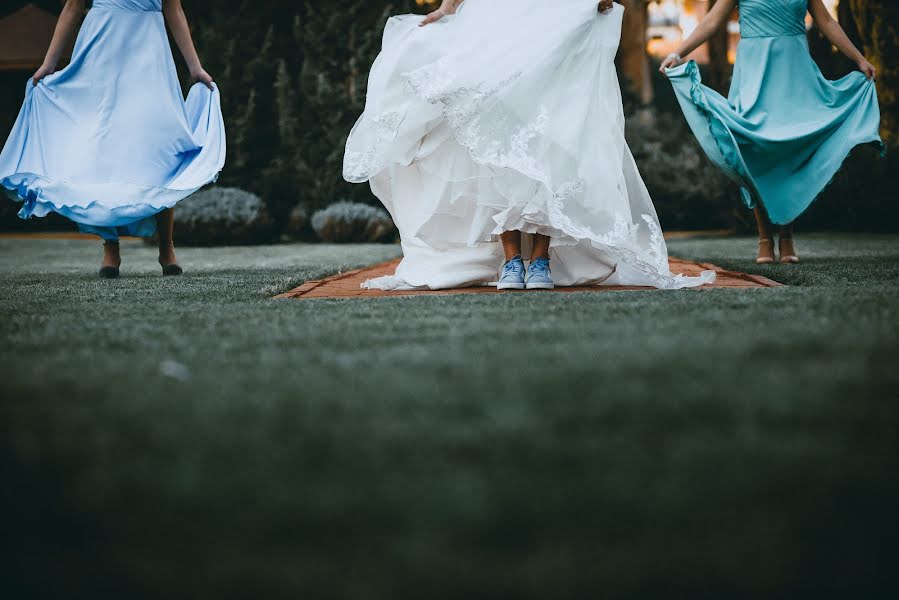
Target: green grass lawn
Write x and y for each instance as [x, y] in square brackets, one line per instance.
[192, 438]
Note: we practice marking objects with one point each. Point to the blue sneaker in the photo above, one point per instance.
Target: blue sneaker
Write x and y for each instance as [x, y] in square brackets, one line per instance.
[513, 275]
[539, 275]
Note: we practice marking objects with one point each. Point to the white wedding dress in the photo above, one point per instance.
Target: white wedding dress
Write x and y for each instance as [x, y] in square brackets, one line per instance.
[507, 117]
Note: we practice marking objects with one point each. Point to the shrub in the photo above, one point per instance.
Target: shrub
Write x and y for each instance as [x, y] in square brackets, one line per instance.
[861, 196]
[10, 221]
[351, 222]
[297, 222]
[688, 191]
[224, 216]
[293, 77]
[8, 208]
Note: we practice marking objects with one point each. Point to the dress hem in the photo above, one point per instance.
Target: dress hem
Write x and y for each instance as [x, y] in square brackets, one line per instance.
[94, 217]
[735, 166]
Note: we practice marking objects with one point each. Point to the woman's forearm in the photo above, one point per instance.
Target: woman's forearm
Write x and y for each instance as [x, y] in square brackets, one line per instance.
[713, 21]
[65, 27]
[177, 20]
[450, 6]
[833, 32]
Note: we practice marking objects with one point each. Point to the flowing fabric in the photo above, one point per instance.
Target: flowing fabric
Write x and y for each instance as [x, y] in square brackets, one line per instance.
[109, 141]
[507, 117]
[784, 130]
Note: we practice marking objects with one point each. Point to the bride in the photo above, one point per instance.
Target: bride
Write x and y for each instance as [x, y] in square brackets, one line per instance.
[493, 131]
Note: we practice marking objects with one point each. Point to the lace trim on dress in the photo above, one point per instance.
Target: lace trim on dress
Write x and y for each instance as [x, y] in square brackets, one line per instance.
[462, 110]
[361, 166]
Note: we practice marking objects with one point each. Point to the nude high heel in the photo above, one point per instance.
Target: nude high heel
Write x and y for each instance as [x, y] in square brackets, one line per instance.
[787, 252]
[766, 252]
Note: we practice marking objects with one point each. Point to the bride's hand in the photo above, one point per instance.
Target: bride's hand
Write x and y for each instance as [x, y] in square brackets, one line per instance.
[433, 17]
[606, 5]
[42, 72]
[868, 69]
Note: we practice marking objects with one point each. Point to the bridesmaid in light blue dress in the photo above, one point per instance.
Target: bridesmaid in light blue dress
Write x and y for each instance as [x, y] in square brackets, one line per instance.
[110, 142]
[784, 130]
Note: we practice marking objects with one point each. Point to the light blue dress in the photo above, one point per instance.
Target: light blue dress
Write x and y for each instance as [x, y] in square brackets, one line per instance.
[109, 141]
[784, 130]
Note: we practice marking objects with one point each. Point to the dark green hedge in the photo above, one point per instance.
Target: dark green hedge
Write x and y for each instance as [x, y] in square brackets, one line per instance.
[293, 76]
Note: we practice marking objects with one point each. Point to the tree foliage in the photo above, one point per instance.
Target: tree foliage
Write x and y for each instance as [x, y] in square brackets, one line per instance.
[293, 77]
[877, 26]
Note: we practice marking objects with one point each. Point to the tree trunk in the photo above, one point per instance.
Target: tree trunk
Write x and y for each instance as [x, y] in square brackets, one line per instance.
[877, 24]
[633, 63]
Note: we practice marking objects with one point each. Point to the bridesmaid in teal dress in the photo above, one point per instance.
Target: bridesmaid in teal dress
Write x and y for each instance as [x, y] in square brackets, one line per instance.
[784, 130]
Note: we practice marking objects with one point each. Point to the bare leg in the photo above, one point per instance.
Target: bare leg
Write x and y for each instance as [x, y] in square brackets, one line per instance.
[541, 247]
[787, 251]
[165, 225]
[511, 244]
[112, 260]
[512, 275]
[786, 232]
[766, 242]
[111, 255]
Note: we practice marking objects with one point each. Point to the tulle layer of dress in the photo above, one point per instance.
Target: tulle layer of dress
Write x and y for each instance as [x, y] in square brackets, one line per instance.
[504, 117]
[784, 130]
[110, 141]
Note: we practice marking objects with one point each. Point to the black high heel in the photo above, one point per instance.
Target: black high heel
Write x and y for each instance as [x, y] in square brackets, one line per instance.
[109, 272]
[172, 270]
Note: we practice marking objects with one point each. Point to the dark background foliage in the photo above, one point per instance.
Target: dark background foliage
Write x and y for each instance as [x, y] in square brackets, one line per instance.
[293, 78]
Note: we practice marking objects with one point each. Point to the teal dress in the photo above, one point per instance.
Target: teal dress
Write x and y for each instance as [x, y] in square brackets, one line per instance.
[784, 130]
